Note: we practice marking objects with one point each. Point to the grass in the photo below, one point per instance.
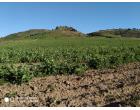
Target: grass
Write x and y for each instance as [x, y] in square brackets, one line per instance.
[64, 42]
[20, 60]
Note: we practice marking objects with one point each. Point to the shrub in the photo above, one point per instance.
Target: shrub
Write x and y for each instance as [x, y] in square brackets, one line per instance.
[15, 74]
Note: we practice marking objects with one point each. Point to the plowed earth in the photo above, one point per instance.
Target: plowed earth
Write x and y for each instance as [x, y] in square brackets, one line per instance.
[108, 87]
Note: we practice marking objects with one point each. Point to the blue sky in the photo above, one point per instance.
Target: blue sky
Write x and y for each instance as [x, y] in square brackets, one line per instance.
[86, 17]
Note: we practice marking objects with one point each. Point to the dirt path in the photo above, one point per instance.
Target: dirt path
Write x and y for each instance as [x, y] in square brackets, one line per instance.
[112, 87]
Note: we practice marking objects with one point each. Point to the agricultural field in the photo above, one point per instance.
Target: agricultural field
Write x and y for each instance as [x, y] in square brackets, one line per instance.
[22, 60]
[25, 59]
[58, 54]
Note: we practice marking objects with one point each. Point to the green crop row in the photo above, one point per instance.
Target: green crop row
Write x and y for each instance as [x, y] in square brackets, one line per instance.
[20, 65]
[12, 55]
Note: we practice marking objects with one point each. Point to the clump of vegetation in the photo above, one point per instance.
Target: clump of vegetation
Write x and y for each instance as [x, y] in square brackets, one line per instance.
[10, 94]
[15, 74]
[65, 28]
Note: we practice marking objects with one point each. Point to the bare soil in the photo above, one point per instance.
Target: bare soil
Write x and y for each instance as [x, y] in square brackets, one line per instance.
[108, 87]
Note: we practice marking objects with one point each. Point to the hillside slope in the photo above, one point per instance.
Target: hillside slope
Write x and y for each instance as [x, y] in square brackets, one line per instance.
[60, 31]
[66, 31]
[130, 33]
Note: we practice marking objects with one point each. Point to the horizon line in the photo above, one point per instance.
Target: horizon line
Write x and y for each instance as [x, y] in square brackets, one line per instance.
[67, 26]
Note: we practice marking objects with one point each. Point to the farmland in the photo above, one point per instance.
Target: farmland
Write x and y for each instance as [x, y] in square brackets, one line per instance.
[20, 60]
[23, 60]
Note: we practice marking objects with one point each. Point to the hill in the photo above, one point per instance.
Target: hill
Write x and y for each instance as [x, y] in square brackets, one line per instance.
[59, 31]
[66, 31]
[117, 33]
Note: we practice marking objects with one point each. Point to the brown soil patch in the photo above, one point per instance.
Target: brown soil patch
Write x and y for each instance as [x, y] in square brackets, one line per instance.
[110, 87]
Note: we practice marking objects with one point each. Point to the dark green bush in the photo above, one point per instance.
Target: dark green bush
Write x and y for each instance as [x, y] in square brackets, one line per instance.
[15, 74]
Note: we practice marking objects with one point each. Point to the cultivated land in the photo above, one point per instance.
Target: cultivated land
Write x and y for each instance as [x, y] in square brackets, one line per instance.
[64, 67]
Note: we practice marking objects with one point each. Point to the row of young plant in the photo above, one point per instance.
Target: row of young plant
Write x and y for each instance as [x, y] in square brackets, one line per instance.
[21, 55]
[64, 61]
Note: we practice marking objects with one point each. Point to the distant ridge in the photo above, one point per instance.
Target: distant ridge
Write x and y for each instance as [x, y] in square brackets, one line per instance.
[117, 33]
[66, 31]
[59, 31]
